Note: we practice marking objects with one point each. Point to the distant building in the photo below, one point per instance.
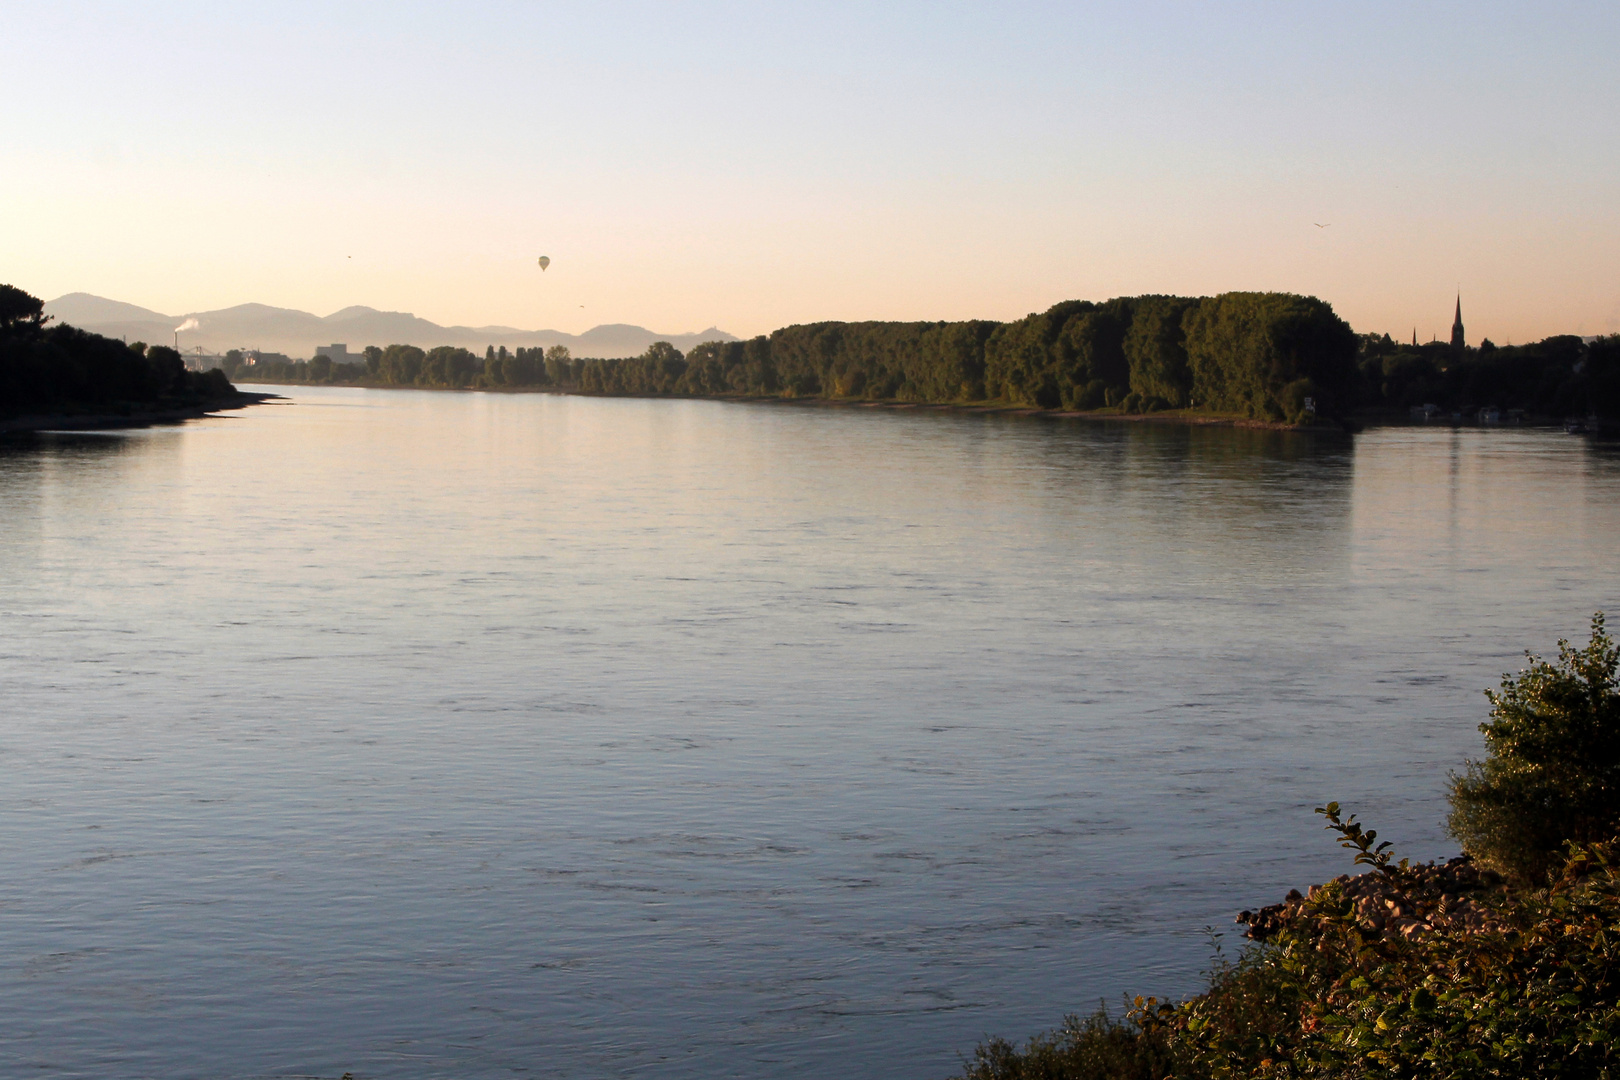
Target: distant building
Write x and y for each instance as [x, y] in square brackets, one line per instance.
[197, 360]
[338, 354]
[1458, 342]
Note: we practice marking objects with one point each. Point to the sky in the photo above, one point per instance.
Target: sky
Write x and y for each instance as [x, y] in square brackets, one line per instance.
[753, 165]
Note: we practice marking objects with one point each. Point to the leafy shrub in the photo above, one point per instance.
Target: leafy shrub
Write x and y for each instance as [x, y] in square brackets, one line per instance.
[1539, 996]
[1553, 770]
[1293, 398]
[1408, 980]
[1535, 992]
[1095, 1048]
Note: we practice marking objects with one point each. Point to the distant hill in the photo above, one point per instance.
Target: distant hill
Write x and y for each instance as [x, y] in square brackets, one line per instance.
[297, 333]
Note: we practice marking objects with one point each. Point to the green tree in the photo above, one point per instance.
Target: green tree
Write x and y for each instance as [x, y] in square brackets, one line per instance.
[448, 366]
[400, 365]
[559, 366]
[1244, 349]
[19, 310]
[1552, 770]
[1156, 350]
[1021, 358]
[167, 369]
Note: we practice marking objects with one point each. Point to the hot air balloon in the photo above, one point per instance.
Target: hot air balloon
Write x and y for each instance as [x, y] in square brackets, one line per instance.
[545, 261]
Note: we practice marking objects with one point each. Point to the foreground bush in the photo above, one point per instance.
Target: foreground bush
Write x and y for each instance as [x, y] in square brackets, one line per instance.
[1338, 994]
[1443, 972]
[1095, 1048]
[1552, 773]
[1536, 995]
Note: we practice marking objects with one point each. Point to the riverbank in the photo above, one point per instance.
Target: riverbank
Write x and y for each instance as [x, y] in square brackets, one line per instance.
[1192, 417]
[1500, 962]
[1442, 970]
[1359, 420]
[131, 417]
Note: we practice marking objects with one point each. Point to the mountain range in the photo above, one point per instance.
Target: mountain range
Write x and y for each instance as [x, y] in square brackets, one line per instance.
[297, 333]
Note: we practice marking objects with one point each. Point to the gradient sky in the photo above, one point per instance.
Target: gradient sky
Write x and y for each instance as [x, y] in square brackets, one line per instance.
[750, 166]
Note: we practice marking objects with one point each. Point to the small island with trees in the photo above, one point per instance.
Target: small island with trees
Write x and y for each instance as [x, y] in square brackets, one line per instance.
[62, 377]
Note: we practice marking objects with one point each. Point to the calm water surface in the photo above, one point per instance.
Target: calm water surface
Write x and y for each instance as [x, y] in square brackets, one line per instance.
[437, 735]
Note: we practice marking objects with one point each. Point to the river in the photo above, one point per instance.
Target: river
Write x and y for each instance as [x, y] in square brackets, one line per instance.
[469, 735]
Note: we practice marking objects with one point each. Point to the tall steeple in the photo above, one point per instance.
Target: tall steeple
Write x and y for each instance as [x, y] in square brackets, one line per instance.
[1458, 342]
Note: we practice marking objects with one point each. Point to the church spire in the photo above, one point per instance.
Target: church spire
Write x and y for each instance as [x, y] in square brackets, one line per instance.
[1458, 341]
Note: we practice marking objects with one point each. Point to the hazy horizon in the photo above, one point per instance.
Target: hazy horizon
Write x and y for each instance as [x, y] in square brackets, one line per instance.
[749, 168]
[299, 333]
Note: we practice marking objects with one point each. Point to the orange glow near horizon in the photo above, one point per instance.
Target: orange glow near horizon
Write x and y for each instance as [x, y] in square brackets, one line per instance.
[695, 168]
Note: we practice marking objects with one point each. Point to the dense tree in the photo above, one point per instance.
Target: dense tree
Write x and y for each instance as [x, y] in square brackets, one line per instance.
[47, 369]
[20, 312]
[448, 366]
[400, 364]
[1129, 352]
[1077, 355]
[1156, 351]
[1557, 376]
[1262, 354]
[1552, 770]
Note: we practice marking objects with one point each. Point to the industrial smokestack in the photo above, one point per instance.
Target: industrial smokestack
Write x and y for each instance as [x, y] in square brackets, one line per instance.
[189, 324]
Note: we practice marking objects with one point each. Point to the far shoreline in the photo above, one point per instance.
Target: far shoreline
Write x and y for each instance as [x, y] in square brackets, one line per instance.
[1358, 421]
[1185, 417]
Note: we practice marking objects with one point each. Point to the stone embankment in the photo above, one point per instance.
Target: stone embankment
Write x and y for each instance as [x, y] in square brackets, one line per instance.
[1408, 902]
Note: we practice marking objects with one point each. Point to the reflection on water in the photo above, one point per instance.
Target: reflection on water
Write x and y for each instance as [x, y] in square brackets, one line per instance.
[428, 734]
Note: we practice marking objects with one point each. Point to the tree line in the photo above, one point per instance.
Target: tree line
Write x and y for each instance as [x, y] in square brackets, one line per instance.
[46, 369]
[1260, 355]
[1557, 376]
[1264, 356]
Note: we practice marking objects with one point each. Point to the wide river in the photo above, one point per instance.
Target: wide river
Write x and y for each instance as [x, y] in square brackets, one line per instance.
[467, 735]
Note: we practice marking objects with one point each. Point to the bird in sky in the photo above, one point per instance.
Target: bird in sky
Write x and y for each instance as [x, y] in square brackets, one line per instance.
[1319, 225]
